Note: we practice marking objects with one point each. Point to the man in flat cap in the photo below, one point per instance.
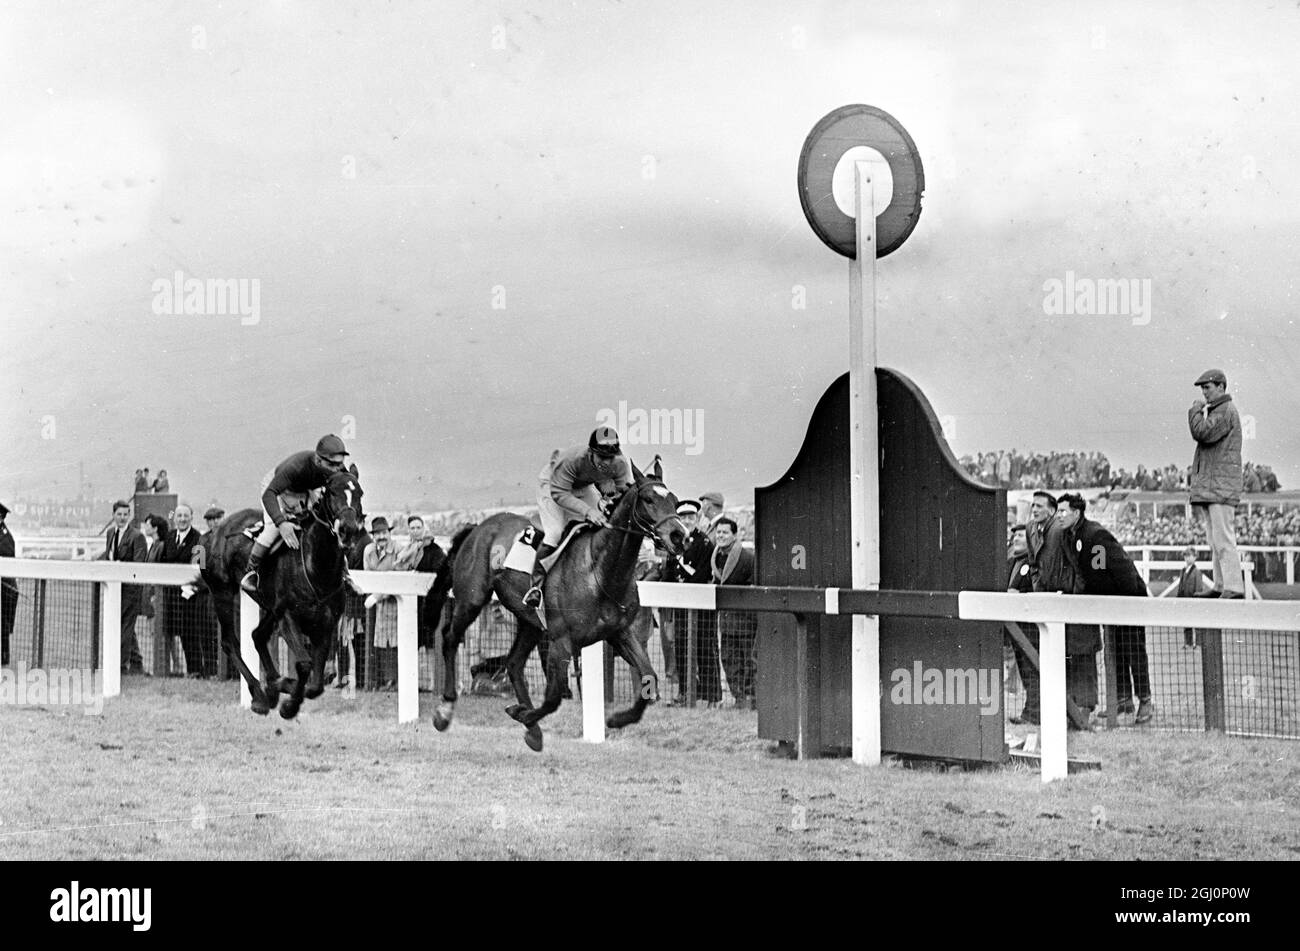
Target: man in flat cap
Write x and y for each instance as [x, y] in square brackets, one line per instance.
[692, 566]
[8, 591]
[1216, 478]
[213, 517]
[710, 511]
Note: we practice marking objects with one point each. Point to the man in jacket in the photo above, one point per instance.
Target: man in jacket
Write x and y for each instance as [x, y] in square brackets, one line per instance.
[733, 564]
[186, 615]
[693, 566]
[125, 543]
[1216, 478]
[1106, 569]
[1020, 579]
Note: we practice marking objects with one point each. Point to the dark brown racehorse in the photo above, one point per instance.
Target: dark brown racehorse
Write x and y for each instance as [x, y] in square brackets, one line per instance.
[589, 596]
[302, 591]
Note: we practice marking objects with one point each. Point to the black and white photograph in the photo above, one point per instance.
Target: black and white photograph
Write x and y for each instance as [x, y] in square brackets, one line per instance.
[588, 430]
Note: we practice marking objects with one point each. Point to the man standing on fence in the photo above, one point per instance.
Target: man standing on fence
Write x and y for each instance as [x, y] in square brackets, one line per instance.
[8, 591]
[1216, 478]
[124, 543]
[1106, 569]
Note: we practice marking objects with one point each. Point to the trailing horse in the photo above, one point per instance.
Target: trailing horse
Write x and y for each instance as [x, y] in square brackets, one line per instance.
[302, 590]
[589, 596]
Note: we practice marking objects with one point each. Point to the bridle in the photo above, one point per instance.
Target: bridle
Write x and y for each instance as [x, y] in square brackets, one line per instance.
[333, 524]
[643, 529]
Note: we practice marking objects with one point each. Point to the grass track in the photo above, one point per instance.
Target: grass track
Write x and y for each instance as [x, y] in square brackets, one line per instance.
[174, 770]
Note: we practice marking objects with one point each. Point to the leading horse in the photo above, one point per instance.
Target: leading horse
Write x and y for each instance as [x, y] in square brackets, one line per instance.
[302, 590]
[589, 596]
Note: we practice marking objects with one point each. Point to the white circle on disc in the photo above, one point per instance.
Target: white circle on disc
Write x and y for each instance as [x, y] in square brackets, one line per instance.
[882, 179]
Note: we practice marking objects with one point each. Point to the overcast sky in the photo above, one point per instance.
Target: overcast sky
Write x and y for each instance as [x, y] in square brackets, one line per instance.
[474, 226]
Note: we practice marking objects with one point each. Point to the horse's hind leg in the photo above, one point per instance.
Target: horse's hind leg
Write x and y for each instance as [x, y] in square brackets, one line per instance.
[462, 616]
[527, 636]
[629, 647]
[302, 666]
[557, 675]
[270, 675]
[227, 619]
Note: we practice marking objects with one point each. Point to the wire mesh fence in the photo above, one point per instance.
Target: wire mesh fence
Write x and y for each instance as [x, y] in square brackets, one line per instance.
[1240, 681]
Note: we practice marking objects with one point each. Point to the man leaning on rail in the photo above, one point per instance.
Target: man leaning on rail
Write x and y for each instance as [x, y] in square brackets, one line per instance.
[1106, 569]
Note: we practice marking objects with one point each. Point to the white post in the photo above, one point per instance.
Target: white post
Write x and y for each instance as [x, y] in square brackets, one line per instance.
[1290, 566]
[1051, 660]
[593, 692]
[110, 637]
[249, 614]
[408, 662]
[864, 464]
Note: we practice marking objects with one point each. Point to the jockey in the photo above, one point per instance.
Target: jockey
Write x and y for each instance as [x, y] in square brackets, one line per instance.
[570, 487]
[286, 494]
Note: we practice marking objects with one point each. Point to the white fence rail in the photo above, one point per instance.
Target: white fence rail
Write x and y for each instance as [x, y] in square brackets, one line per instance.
[1050, 612]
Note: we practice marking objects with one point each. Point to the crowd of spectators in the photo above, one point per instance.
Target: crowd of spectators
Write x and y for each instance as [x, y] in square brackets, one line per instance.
[1260, 527]
[1083, 470]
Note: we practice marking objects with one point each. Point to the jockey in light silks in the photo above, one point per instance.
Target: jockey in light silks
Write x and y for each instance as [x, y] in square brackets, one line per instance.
[286, 494]
[570, 489]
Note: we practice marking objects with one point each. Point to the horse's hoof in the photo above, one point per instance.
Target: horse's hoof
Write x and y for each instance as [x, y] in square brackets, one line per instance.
[272, 699]
[516, 711]
[533, 737]
[289, 709]
[311, 693]
[260, 708]
[442, 715]
[613, 723]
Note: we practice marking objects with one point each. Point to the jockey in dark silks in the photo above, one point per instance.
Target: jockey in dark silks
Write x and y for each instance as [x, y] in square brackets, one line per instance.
[570, 488]
[286, 493]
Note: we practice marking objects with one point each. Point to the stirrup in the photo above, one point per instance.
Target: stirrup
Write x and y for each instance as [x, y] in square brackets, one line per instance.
[248, 584]
[533, 596]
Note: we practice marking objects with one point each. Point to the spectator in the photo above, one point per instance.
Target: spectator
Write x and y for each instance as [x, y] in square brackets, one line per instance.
[213, 517]
[422, 553]
[1106, 569]
[186, 607]
[648, 568]
[161, 484]
[1056, 569]
[380, 555]
[693, 567]
[141, 483]
[1020, 578]
[124, 543]
[734, 565]
[710, 511]
[155, 531]
[8, 591]
[147, 482]
[1216, 478]
[1189, 583]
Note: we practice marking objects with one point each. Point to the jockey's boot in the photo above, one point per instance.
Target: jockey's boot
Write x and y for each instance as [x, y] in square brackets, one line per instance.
[249, 582]
[533, 597]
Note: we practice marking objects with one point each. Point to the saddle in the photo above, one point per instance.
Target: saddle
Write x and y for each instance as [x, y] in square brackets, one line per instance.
[524, 551]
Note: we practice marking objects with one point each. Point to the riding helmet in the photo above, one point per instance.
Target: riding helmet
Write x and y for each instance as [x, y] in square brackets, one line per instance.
[604, 442]
[331, 445]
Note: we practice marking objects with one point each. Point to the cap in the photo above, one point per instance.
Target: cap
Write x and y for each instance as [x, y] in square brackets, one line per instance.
[714, 497]
[688, 506]
[1211, 376]
[604, 441]
[215, 512]
[331, 445]
[380, 524]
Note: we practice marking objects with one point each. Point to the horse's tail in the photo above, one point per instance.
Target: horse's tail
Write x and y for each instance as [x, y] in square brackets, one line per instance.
[436, 599]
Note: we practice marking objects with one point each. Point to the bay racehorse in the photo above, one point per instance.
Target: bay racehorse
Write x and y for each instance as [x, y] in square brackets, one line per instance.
[302, 591]
[589, 596]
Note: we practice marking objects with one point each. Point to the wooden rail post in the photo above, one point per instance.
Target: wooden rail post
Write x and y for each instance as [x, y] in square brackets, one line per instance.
[1212, 678]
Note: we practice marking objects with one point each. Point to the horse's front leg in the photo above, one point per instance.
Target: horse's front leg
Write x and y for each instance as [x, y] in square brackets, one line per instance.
[629, 646]
[302, 667]
[321, 642]
[270, 675]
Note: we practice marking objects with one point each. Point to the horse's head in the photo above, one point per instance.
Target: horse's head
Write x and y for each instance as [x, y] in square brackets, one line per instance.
[341, 507]
[655, 509]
